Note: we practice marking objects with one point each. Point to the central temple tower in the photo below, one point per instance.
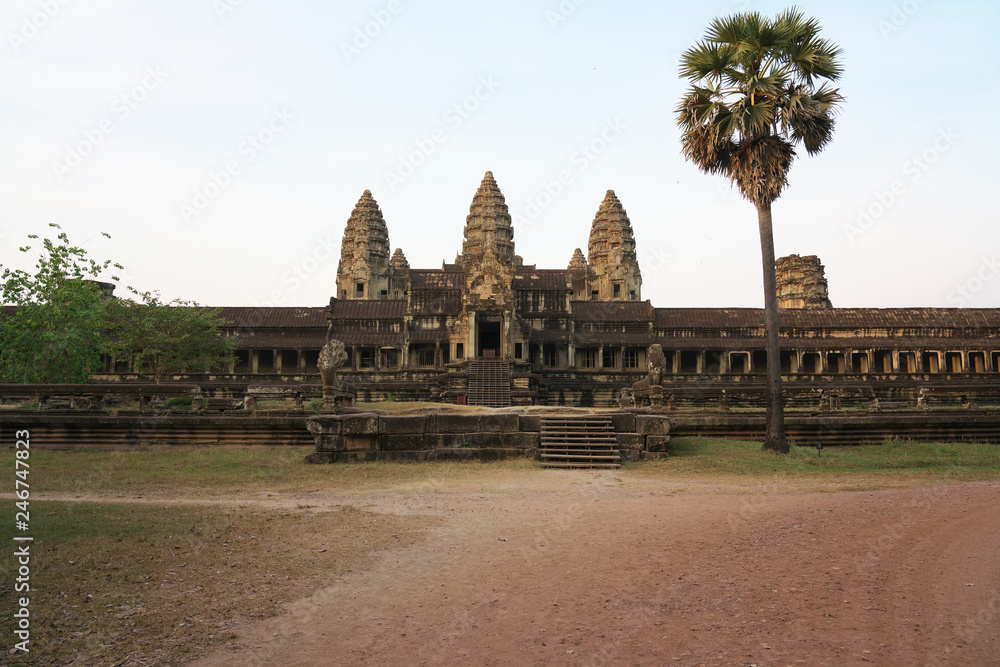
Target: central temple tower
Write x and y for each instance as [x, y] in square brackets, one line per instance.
[488, 262]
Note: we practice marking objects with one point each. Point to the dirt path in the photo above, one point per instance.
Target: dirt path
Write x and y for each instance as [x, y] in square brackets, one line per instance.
[601, 573]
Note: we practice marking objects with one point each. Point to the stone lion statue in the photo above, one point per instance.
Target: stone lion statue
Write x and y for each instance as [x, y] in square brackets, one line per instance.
[331, 357]
[656, 364]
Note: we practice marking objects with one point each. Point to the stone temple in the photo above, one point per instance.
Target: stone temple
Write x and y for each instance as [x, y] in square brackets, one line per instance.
[490, 329]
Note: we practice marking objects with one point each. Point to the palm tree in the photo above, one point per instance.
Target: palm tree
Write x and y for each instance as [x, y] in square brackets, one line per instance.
[753, 97]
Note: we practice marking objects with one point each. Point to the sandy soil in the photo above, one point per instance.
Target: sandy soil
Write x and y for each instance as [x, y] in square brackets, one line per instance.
[586, 569]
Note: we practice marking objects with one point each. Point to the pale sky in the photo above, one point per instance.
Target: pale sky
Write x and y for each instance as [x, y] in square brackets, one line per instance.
[224, 143]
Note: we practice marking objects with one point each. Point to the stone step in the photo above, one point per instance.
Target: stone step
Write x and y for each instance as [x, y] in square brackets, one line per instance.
[555, 464]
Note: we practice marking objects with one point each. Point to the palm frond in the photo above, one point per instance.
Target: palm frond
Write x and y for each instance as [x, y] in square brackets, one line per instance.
[759, 168]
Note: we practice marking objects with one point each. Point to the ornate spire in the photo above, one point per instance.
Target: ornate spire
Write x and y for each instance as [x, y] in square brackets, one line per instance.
[364, 254]
[613, 264]
[488, 228]
[366, 236]
[398, 261]
[579, 262]
[611, 240]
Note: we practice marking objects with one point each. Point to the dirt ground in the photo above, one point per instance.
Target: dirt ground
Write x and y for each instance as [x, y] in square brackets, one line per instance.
[587, 569]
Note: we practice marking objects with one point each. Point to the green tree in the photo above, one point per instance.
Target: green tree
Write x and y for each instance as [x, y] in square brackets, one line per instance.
[159, 338]
[753, 98]
[57, 332]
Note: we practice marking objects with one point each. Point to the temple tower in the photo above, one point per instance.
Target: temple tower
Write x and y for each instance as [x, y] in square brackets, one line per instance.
[801, 282]
[614, 270]
[578, 275]
[488, 249]
[488, 261]
[364, 270]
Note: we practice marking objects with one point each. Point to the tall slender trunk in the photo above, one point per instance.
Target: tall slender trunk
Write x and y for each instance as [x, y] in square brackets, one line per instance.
[774, 438]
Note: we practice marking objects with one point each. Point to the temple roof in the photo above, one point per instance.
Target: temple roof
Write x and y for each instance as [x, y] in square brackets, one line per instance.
[541, 279]
[430, 279]
[833, 318]
[368, 310]
[256, 316]
[612, 311]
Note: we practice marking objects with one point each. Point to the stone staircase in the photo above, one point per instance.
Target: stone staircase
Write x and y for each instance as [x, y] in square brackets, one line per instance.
[571, 441]
[489, 383]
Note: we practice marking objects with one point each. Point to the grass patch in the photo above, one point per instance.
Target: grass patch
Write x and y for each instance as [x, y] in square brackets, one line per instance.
[155, 584]
[734, 457]
[239, 473]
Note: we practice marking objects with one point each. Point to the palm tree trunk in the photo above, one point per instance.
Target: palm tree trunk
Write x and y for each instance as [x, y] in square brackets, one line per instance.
[774, 438]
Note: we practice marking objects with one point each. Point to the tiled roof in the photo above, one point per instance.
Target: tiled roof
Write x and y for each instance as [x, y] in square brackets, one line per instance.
[548, 279]
[249, 316]
[612, 311]
[425, 279]
[836, 318]
[368, 310]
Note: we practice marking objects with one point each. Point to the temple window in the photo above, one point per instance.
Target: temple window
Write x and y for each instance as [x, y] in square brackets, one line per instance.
[977, 362]
[425, 356]
[932, 362]
[359, 289]
[739, 362]
[631, 358]
[953, 362]
[836, 362]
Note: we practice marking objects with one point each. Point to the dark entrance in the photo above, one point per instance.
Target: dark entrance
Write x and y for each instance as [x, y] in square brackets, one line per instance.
[489, 339]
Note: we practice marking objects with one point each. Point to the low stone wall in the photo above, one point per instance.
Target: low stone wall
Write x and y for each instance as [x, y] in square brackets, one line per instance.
[73, 430]
[371, 436]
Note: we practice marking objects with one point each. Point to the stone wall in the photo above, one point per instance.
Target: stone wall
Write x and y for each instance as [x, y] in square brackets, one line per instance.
[443, 436]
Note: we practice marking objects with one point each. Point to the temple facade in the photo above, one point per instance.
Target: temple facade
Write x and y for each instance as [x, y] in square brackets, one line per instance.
[579, 334]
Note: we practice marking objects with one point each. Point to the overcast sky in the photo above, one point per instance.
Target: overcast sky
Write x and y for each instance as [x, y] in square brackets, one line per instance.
[224, 143]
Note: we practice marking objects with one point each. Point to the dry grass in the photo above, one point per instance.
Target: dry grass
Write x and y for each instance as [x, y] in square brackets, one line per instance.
[154, 582]
[143, 584]
[192, 472]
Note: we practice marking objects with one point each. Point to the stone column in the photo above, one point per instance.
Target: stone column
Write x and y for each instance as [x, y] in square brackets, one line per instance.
[300, 361]
[354, 357]
[277, 361]
[471, 351]
[254, 362]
